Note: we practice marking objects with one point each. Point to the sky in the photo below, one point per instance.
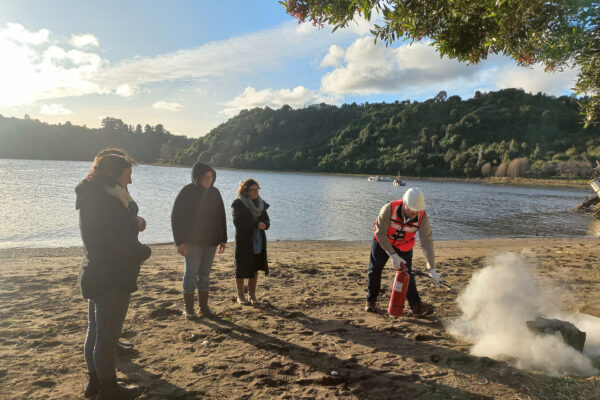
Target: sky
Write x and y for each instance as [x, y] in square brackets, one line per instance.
[191, 65]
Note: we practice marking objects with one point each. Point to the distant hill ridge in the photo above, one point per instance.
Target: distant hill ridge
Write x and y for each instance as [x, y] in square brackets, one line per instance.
[508, 132]
[442, 136]
[31, 139]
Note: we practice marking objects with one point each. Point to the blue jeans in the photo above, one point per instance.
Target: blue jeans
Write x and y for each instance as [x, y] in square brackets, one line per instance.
[377, 261]
[106, 314]
[198, 262]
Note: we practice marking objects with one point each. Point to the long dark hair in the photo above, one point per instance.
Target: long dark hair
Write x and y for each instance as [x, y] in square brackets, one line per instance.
[107, 169]
[245, 186]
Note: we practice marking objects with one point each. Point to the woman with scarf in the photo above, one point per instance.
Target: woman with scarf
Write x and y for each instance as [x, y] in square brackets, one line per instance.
[251, 220]
[108, 275]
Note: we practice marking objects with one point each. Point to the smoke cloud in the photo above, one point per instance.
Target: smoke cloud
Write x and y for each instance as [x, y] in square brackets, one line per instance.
[498, 301]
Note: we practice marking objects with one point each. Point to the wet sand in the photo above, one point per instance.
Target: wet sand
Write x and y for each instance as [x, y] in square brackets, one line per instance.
[309, 338]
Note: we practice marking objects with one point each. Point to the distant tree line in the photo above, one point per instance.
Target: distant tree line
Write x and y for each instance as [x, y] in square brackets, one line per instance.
[504, 133]
[31, 139]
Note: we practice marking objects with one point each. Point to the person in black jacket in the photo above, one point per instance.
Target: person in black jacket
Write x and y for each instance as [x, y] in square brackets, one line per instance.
[251, 220]
[199, 227]
[110, 267]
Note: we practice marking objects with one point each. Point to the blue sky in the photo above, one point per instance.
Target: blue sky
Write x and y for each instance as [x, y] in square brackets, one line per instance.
[191, 65]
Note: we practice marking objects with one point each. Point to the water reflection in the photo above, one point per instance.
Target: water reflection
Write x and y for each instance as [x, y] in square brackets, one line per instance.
[38, 200]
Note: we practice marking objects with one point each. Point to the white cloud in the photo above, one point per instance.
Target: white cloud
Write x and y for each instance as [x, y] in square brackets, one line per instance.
[246, 55]
[83, 41]
[57, 54]
[333, 57]
[50, 70]
[164, 105]
[373, 68]
[126, 90]
[17, 33]
[415, 69]
[35, 72]
[535, 79]
[54, 109]
[295, 98]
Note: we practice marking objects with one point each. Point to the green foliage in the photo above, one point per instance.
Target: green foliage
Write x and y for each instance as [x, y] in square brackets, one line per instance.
[556, 33]
[438, 137]
[32, 139]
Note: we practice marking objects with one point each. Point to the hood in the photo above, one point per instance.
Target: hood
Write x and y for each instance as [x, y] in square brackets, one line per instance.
[85, 191]
[198, 170]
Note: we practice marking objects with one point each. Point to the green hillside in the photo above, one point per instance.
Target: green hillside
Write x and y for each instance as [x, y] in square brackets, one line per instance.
[505, 132]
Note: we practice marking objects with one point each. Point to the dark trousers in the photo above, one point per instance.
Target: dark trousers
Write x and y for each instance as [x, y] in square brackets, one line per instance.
[377, 260]
[106, 314]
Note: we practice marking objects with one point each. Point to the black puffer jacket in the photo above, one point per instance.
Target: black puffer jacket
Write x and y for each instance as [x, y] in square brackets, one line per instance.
[198, 215]
[113, 254]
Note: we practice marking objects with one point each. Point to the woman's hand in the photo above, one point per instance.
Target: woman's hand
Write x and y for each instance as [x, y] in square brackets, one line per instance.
[141, 224]
[181, 249]
[262, 226]
[222, 247]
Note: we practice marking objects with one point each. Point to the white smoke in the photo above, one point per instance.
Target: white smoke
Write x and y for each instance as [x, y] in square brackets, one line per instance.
[498, 301]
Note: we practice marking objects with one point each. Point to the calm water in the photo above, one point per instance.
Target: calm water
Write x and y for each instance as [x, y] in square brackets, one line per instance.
[37, 201]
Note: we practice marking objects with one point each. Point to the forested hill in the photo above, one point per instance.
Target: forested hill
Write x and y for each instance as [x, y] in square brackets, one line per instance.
[538, 135]
[31, 139]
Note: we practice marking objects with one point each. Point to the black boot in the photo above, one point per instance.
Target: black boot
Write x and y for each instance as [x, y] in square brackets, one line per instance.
[111, 390]
[92, 387]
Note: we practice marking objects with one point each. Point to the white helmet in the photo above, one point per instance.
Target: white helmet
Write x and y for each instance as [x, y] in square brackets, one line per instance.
[414, 199]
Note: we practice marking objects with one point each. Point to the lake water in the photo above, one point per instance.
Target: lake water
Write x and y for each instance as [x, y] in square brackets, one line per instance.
[37, 205]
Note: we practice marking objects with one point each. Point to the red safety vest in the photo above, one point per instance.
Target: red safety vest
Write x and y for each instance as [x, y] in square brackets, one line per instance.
[402, 235]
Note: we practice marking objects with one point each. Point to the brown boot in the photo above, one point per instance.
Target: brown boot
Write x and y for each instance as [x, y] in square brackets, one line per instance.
[203, 300]
[188, 311]
[371, 307]
[422, 310]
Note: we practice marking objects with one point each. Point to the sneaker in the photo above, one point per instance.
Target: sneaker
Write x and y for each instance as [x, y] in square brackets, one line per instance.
[371, 307]
[422, 310]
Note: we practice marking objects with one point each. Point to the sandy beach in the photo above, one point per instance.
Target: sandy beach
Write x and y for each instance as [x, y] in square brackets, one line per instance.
[309, 338]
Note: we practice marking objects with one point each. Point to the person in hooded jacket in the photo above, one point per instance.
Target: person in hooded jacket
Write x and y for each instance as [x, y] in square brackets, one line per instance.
[110, 267]
[199, 228]
[251, 221]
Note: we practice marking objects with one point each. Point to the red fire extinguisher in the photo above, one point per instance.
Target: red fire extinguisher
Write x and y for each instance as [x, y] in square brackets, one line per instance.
[399, 290]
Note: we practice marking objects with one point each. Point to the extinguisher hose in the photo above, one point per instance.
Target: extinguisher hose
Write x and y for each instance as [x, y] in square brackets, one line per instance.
[421, 273]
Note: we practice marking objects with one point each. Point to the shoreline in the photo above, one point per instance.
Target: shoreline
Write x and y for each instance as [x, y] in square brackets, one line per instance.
[447, 242]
